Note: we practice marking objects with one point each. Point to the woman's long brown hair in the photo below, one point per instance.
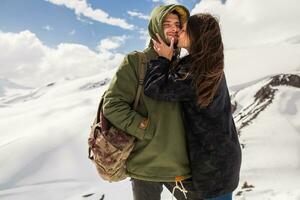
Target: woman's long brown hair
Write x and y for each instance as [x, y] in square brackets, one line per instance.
[207, 57]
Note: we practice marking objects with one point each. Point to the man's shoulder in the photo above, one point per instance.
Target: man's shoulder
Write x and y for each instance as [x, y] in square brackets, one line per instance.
[133, 58]
[134, 55]
[130, 62]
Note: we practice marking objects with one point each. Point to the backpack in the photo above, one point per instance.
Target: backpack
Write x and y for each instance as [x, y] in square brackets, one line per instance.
[109, 147]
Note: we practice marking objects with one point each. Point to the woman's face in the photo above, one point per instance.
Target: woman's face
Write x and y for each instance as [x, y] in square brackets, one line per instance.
[183, 39]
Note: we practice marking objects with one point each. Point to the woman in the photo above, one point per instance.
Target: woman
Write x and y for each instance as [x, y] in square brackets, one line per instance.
[198, 81]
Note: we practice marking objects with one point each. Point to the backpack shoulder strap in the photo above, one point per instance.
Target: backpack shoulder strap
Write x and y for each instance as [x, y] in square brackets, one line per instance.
[142, 70]
[97, 120]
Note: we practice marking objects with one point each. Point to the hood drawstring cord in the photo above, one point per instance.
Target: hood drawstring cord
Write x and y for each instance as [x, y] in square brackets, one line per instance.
[179, 187]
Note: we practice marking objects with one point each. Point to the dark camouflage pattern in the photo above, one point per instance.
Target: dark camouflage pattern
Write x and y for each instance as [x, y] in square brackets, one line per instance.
[109, 149]
[213, 144]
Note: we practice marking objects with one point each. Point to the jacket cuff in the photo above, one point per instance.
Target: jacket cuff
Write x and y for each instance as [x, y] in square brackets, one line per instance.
[140, 125]
[164, 60]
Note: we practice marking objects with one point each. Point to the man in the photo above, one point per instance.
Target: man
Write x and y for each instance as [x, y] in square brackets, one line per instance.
[159, 156]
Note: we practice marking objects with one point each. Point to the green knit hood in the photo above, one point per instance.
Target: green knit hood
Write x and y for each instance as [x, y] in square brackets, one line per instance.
[157, 16]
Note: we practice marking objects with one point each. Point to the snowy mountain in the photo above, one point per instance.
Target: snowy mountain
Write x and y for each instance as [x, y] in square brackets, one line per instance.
[43, 144]
[293, 40]
[7, 85]
[43, 140]
[267, 117]
[261, 99]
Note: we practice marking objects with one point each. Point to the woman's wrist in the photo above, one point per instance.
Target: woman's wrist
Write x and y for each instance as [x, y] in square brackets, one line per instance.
[168, 57]
[163, 59]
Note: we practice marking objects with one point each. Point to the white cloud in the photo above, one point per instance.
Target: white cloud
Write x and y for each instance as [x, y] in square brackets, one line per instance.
[171, 1]
[252, 22]
[144, 35]
[72, 32]
[82, 8]
[167, 1]
[20, 52]
[26, 60]
[111, 43]
[48, 28]
[138, 15]
[84, 20]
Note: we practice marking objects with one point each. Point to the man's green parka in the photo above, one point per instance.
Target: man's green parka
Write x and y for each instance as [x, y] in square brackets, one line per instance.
[160, 152]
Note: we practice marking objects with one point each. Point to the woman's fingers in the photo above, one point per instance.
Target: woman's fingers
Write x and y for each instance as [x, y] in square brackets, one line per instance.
[163, 44]
[162, 49]
[159, 39]
[157, 50]
[155, 42]
[172, 44]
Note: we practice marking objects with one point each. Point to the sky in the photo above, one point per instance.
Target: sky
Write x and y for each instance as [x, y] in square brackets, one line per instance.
[46, 40]
[84, 22]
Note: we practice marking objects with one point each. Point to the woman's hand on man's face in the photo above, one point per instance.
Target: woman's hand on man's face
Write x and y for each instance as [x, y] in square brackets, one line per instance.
[162, 49]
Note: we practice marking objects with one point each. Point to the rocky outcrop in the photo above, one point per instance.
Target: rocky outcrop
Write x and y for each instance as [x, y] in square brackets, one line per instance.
[264, 97]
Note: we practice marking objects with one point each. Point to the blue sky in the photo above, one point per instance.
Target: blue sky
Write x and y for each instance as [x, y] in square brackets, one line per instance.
[54, 24]
[55, 39]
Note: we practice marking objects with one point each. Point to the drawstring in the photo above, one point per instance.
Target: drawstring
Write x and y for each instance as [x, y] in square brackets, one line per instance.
[181, 189]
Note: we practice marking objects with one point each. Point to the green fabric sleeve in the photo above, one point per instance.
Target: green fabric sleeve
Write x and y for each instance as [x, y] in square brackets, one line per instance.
[119, 98]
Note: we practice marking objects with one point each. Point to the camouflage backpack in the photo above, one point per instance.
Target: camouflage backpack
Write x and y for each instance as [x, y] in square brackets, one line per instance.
[109, 147]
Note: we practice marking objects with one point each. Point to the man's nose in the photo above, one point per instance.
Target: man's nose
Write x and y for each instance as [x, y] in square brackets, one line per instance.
[175, 28]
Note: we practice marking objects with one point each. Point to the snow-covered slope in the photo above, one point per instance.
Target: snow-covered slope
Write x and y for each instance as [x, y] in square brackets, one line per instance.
[43, 140]
[8, 88]
[43, 143]
[267, 115]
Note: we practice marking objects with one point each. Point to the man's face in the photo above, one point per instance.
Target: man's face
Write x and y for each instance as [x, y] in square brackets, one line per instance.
[171, 27]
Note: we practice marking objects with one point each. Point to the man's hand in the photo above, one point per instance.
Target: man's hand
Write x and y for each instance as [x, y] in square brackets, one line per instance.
[162, 49]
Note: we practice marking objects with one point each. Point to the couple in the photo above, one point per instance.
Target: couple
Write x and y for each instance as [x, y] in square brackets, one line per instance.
[185, 135]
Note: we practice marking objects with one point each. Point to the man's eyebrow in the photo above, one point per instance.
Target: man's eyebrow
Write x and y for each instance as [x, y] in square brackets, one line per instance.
[171, 22]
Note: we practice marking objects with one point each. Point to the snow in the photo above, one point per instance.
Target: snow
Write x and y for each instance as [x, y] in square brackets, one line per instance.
[271, 157]
[44, 131]
[8, 88]
[44, 143]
